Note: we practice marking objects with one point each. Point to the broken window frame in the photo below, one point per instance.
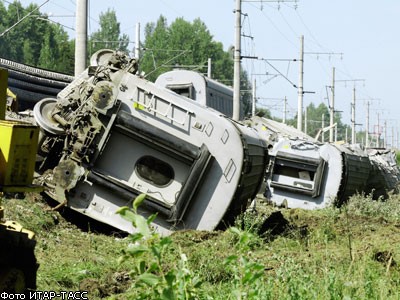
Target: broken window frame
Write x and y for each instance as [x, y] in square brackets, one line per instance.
[302, 163]
[180, 87]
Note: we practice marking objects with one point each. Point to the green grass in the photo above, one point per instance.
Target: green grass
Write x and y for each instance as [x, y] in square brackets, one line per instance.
[348, 253]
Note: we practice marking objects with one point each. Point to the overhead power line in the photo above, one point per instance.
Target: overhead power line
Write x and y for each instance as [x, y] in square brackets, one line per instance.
[23, 18]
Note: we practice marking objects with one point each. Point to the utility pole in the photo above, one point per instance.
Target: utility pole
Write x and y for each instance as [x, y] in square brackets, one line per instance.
[323, 126]
[353, 117]
[353, 109]
[237, 56]
[137, 42]
[367, 132]
[284, 110]
[81, 36]
[300, 87]
[332, 107]
[378, 142]
[236, 61]
[305, 121]
[367, 128]
[137, 46]
[335, 134]
[385, 135]
[253, 107]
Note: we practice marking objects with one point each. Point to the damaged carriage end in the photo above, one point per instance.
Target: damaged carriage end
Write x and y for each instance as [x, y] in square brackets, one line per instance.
[111, 135]
[311, 175]
[304, 173]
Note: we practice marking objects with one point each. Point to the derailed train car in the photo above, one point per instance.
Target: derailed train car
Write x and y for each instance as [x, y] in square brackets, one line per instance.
[312, 175]
[111, 135]
[304, 173]
[386, 173]
[200, 88]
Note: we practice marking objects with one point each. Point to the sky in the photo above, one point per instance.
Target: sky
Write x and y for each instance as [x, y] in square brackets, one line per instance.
[359, 38]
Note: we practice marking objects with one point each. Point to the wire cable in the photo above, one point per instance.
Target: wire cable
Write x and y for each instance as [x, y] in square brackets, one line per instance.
[23, 18]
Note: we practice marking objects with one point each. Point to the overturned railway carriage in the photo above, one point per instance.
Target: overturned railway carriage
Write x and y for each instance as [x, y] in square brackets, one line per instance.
[112, 135]
[303, 174]
[199, 88]
[386, 171]
[308, 174]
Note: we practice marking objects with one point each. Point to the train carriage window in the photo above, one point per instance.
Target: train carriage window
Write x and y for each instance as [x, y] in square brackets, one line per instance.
[297, 174]
[154, 170]
[182, 89]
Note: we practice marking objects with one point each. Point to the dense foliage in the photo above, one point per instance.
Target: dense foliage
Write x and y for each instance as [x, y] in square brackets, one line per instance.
[41, 43]
[34, 40]
[186, 45]
[109, 34]
[314, 121]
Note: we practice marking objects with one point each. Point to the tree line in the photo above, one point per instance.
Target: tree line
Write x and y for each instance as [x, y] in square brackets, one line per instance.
[38, 42]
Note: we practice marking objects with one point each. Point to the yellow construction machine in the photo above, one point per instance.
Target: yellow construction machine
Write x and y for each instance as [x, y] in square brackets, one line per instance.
[18, 143]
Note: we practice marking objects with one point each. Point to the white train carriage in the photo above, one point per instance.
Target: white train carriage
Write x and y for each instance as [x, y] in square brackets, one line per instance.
[199, 88]
[112, 135]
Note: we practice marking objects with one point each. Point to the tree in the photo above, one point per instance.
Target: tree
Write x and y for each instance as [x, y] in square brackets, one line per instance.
[109, 35]
[314, 118]
[46, 58]
[188, 45]
[314, 121]
[34, 41]
[156, 48]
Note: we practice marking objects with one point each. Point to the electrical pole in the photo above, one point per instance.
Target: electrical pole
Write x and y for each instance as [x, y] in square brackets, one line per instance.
[335, 134]
[385, 135]
[353, 117]
[323, 126]
[137, 42]
[353, 109]
[367, 132]
[300, 87]
[236, 61]
[81, 37]
[378, 142]
[253, 107]
[367, 128]
[137, 46]
[305, 120]
[332, 107]
[284, 110]
[237, 56]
